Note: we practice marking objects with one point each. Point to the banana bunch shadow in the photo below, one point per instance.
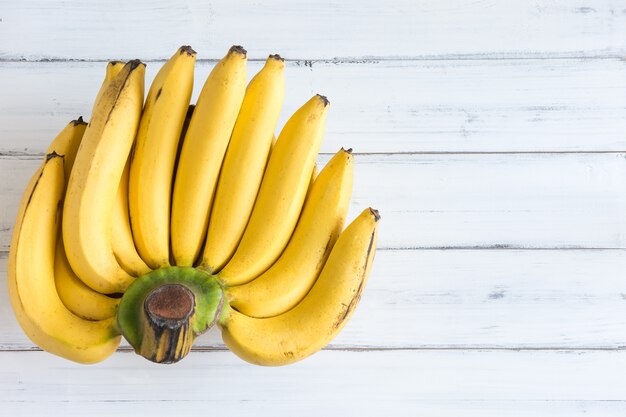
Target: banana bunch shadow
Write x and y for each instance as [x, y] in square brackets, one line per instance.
[158, 220]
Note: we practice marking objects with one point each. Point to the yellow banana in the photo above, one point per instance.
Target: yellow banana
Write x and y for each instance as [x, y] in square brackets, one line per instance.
[121, 234]
[67, 142]
[75, 295]
[38, 308]
[281, 195]
[154, 155]
[122, 239]
[248, 149]
[113, 68]
[319, 317]
[95, 178]
[287, 281]
[202, 153]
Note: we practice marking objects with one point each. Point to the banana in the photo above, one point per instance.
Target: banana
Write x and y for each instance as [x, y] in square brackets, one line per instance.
[154, 155]
[113, 68]
[121, 234]
[38, 308]
[95, 179]
[122, 239]
[287, 281]
[319, 317]
[281, 195]
[75, 295]
[202, 153]
[67, 142]
[248, 148]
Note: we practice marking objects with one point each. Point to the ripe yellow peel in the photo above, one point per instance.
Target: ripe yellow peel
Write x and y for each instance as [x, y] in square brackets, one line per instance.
[37, 306]
[75, 295]
[281, 195]
[95, 179]
[287, 281]
[320, 316]
[154, 156]
[248, 149]
[121, 234]
[202, 153]
[67, 142]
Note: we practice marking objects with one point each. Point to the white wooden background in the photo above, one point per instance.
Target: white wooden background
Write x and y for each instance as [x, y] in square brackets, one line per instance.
[490, 134]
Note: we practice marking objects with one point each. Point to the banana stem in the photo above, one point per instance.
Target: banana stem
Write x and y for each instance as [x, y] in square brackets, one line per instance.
[162, 312]
[168, 312]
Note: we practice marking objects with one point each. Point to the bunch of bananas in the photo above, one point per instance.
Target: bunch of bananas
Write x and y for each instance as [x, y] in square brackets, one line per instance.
[157, 220]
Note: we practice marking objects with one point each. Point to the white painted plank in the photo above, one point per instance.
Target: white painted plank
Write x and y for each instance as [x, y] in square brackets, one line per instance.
[402, 383]
[474, 200]
[385, 106]
[454, 299]
[38, 29]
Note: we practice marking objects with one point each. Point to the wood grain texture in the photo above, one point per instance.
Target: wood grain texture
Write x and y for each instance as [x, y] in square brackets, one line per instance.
[297, 29]
[490, 134]
[551, 105]
[451, 201]
[403, 383]
[467, 299]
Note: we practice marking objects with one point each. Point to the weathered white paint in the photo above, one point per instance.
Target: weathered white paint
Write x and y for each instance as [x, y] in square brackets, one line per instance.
[386, 106]
[402, 383]
[460, 299]
[475, 200]
[78, 29]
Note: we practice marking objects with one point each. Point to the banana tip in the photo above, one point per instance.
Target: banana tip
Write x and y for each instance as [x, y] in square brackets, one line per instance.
[237, 49]
[276, 57]
[324, 99]
[375, 214]
[79, 121]
[186, 49]
[134, 64]
[53, 155]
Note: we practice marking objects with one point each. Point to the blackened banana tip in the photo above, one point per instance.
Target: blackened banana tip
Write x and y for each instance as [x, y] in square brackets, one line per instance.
[349, 150]
[375, 214]
[276, 57]
[324, 99]
[238, 49]
[134, 64]
[52, 155]
[186, 49]
[79, 121]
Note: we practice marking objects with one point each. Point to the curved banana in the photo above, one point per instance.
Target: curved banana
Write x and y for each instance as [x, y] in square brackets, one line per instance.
[248, 148]
[121, 234]
[95, 178]
[40, 312]
[113, 68]
[319, 317]
[67, 142]
[154, 155]
[281, 195]
[75, 295]
[122, 239]
[202, 153]
[287, 281]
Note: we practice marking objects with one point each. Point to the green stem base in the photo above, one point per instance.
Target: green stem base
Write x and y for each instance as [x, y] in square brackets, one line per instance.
[162, 312]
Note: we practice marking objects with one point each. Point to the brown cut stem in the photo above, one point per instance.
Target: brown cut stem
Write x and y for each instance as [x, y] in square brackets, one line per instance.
[168, 335]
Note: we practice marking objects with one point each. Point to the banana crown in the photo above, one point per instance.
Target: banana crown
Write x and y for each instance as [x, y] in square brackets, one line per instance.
[157, 220]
